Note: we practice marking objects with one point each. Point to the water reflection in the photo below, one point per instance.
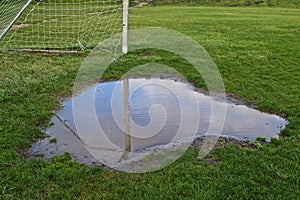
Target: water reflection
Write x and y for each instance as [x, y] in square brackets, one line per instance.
[150, 114]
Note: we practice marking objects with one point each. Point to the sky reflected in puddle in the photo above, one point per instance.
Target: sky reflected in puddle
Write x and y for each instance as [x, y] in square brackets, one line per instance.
[160, 112]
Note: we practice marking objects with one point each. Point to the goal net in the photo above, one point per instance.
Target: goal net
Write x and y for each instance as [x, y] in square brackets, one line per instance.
[61, 25]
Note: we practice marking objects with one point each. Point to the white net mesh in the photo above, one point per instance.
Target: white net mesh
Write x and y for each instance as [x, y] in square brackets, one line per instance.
[8, 11]
[60, 24]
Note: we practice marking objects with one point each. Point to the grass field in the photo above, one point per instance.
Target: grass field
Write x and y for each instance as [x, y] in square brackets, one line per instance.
[257, 53]
[232, 3]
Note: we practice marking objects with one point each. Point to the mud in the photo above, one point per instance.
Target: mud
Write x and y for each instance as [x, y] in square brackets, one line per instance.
[155, 118]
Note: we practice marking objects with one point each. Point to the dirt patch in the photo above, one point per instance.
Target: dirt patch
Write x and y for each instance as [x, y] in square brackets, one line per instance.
[141, 4]
[103, 12]
[223, 141]
[18, 26]
[51, 20]
[156, 160]
[53, 53]
[144, 53]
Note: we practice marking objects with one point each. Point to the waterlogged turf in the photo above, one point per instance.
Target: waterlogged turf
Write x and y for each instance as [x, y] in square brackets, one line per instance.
[256, 51]
[158, 109]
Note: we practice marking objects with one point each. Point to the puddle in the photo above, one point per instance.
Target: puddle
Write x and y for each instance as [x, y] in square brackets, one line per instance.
[163, 114]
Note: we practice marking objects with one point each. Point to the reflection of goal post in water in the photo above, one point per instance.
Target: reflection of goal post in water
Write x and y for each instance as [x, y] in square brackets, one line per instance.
[61, 25]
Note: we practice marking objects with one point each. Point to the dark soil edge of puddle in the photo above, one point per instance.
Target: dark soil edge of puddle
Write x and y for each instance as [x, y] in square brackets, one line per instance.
[223, 140]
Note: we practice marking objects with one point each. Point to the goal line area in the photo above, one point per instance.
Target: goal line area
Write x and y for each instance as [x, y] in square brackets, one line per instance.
[59, 25]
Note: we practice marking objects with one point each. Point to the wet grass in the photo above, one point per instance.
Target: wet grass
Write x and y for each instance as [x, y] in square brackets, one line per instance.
[256, 51]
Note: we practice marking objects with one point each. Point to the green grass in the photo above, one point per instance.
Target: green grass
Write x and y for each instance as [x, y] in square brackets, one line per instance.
[256, 51]
[231, 3]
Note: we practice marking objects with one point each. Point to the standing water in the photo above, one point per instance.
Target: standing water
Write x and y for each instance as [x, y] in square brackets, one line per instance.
[159, 113]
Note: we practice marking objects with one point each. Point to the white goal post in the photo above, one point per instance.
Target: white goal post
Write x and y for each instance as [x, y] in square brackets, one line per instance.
[62, 25]
[10, 24]
[125, 27]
